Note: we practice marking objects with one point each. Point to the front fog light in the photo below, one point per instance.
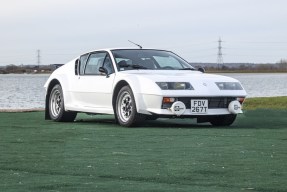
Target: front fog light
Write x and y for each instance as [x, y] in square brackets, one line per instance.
[234, 107]
[178, 108]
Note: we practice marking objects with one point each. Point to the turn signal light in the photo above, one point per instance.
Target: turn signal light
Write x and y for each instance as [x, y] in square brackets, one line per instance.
[168, 100]
[241, 99]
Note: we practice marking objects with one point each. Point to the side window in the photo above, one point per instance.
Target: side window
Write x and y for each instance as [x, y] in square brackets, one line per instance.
[94, 62]
[83, 60]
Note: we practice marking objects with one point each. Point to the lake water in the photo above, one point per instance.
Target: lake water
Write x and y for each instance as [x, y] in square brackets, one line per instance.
[25, 91]
[22, 91]
[262, 84]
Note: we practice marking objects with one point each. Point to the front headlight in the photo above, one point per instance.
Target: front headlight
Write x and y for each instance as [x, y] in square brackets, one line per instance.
[175, 85]
[229, 86]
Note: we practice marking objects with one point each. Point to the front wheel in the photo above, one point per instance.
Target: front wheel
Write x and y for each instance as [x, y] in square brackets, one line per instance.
[222, 120]
[56, 106]
[126, 110]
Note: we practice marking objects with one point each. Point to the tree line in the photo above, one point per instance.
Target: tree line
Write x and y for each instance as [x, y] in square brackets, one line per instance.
[26, 69]
[210, 67]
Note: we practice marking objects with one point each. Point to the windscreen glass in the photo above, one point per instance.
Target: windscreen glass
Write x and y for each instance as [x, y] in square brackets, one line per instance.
[129, 59]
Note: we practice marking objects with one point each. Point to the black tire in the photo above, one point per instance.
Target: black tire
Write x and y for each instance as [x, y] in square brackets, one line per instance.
[57, 108]
[125, 109]
[222, 120]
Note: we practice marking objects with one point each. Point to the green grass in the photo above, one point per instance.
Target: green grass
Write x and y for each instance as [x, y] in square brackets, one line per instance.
[95, 154]
[265, 103]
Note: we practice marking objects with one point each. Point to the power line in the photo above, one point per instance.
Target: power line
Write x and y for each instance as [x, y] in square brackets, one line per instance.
[219, 54]
[38, 57]
[259, 42]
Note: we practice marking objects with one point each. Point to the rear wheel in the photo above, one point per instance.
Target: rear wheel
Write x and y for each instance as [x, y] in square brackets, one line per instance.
[56, 106]
[126, 110]
[222, 120]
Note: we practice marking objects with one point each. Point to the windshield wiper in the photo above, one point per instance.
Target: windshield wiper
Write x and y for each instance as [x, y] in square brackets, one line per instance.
[192, 69]
[136, 66]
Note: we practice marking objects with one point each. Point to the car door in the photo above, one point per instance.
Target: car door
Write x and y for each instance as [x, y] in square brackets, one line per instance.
[92, 89]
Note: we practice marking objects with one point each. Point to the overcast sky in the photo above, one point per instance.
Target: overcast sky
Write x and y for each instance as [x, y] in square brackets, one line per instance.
[251, 30]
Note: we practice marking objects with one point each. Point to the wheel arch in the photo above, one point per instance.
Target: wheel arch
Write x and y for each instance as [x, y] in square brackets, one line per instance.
[135, 118]
[117, 88]
[49, 88]
[136, 86]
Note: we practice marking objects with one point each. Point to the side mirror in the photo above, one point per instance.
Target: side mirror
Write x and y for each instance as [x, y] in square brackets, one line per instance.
[201, 69]
[104, 71]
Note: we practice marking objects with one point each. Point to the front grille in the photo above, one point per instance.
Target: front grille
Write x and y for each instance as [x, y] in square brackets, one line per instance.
[213, 102]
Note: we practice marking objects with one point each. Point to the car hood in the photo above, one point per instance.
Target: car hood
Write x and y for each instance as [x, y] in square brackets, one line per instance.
[178, 75]
[204, 84]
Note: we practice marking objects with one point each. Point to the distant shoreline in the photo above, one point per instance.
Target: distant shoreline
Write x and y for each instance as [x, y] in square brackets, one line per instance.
[21, 110]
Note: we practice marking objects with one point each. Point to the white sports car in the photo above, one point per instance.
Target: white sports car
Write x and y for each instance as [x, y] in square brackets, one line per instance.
[141, 84]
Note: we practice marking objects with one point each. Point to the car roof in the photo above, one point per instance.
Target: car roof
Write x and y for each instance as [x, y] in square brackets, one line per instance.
[123, 48]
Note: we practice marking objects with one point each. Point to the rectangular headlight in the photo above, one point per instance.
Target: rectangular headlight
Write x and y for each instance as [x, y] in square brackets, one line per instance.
[175, 85]
[229, 86]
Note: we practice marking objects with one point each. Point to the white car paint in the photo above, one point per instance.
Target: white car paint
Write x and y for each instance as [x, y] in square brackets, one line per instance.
[94, 93]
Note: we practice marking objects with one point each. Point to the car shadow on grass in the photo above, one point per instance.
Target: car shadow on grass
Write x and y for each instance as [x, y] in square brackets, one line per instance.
[109, 120]
[254, 119]
[173, 123]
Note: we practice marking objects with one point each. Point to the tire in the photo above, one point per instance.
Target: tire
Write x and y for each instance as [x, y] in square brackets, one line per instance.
[222, 120]
[126, 111]
[57, 108]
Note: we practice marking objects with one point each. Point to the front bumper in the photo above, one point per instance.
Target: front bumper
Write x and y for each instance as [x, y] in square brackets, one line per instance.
[217, 105]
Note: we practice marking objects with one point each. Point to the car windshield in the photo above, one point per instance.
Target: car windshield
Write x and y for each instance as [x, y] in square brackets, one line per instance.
[129, 59]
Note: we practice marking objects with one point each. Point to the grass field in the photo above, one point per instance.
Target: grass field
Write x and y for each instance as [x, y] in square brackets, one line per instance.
[266, 103]
[95, 154]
